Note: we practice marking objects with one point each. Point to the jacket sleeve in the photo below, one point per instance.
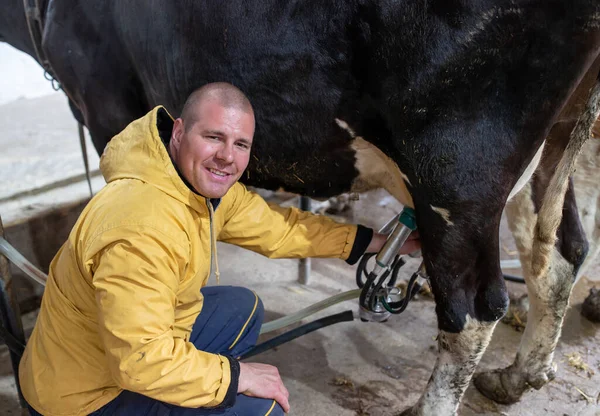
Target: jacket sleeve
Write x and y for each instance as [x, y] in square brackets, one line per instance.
[136, 279]
[278, 232]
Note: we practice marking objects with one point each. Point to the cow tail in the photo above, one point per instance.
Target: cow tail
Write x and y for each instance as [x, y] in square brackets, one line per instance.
[550, 213]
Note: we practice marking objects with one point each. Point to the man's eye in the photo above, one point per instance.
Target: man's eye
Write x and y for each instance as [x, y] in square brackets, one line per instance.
[243, 146]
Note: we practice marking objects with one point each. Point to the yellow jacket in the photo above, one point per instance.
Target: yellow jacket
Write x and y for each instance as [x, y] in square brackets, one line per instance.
[124, 290]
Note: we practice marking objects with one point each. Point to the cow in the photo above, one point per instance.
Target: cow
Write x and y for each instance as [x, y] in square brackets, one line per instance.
[576, 245]
[444, 103]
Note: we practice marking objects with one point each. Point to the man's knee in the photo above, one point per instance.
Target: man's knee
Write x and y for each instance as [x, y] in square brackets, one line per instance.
[249, 300]
[248, 304]
[246, 405]
[244, 301]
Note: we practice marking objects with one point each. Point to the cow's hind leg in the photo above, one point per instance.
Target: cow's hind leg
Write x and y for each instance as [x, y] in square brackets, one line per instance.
[588, 201]
[548, 300]
[549, 271]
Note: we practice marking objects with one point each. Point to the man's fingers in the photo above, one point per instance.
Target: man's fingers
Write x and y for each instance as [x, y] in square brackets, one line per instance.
[286, 392]
[264, 381]
[283, 401]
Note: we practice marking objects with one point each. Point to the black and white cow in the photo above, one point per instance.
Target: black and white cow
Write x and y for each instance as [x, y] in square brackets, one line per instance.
[444, 103]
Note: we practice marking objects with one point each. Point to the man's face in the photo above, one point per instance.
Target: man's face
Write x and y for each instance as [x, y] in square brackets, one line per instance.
[214, 151]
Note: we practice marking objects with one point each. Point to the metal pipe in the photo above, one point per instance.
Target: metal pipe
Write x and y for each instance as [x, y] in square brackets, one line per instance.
[392, 245]
[304, 265]
[10, 315]
[406, 225]
[84, 155]
[22, 263]
[389, 226]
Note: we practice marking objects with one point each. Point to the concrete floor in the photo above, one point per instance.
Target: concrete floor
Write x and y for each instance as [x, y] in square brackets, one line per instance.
[348, 369]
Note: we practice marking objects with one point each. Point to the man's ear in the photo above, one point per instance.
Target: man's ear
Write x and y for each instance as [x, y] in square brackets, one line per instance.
[177, 133]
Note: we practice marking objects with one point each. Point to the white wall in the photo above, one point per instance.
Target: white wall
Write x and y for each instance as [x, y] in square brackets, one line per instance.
[21, 76]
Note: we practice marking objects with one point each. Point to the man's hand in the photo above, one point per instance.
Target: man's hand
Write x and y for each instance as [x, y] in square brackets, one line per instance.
[413, 243]
[263, 380]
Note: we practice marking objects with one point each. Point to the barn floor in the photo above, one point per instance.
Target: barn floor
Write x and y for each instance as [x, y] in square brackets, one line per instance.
[348, 369]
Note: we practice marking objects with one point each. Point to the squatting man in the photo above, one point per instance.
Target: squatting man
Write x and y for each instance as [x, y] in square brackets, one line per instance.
[127, 325]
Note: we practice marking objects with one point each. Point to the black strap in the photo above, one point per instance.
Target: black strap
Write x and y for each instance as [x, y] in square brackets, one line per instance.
[33, 16]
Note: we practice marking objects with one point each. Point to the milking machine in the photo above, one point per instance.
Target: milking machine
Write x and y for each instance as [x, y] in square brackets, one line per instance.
[379, 297]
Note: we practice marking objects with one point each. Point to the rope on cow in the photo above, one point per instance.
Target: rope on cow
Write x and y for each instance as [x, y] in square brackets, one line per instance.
[35, 25]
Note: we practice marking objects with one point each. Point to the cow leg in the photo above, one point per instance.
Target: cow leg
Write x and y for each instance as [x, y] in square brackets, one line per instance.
[552, 248]
[588, 200]
[461, 254]
[548, 300]
[459, 354]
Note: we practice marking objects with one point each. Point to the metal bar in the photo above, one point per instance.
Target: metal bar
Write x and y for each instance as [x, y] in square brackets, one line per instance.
[84, 155]
[304, 266]
[22, 263]
[11, 315]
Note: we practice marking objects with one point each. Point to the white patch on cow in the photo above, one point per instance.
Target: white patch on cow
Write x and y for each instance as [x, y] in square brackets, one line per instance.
[344, 126]
[376, 169]
[405, 178]
[444, 213]
[526, 176]
[458, 356]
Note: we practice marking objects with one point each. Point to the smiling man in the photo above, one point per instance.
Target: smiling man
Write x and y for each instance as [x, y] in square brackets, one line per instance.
[212, 146]
[127, 326]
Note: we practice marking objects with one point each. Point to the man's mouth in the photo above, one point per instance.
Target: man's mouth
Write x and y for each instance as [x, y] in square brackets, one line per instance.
[218, 172]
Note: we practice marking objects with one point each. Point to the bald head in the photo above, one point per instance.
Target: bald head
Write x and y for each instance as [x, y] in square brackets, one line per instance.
[223, 93]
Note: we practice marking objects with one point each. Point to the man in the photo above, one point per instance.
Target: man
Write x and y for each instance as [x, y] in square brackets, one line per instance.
[126, 326]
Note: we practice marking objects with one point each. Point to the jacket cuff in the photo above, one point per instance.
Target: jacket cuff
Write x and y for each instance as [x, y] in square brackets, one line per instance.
[231, 395]
[363, 237]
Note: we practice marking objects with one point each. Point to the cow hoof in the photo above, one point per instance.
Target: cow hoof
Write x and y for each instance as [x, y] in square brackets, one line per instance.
[591, 306]
[543, 378]
[501, 385]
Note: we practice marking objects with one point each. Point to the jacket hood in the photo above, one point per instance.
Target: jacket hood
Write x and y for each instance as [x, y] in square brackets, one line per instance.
[139, 153]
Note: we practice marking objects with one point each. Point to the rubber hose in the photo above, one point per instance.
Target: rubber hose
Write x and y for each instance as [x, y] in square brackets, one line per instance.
[346, 316]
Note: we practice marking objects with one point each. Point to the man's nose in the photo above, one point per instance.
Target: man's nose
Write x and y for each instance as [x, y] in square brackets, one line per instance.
[225, 153]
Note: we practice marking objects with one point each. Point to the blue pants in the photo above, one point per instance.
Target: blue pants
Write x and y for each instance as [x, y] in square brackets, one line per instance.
[228, 324]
